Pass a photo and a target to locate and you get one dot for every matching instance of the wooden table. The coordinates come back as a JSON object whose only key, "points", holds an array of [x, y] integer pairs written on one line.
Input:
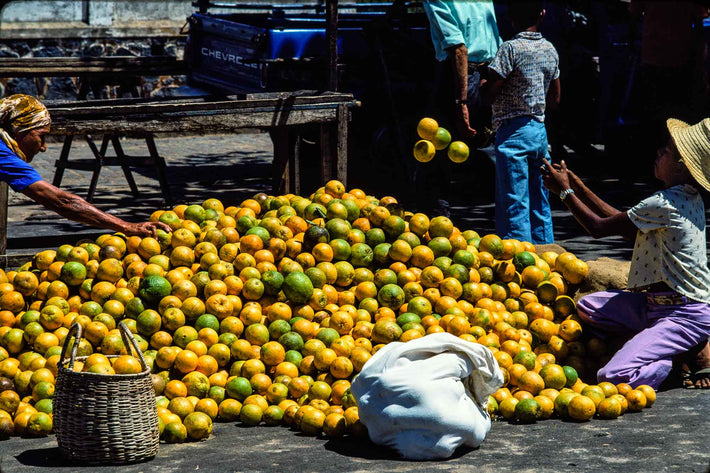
{"points": [[283, 114]]}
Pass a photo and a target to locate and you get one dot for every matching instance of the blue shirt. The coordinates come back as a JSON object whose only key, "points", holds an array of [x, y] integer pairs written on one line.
{"points": [[528, 63], [17, 173], [469, 22]]}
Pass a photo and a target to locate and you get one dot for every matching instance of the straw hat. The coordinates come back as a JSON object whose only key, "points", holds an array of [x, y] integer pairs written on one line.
{"points": [[693, 143]]}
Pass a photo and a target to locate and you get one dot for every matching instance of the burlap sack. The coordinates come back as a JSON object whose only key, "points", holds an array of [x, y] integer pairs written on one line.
{"points": [[604, 273]]}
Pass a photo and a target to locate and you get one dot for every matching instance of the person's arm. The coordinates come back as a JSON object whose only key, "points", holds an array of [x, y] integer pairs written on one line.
{"points": [[590, 199], [75, 208], [554, 94], [459, 56], [598, 225], [491, 87]]}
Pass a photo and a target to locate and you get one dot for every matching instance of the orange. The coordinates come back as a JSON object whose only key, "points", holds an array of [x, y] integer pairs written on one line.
{"points": [[12, 301], [649, 392], [562, 402], [532, 276], [335, 188], [342, 367], [507, 407], [424, 151], [26, 282], [575, 271], [570, 330], [609, 408], [186, 361], [531, 382], [594, 392], [272, 353], [637, 400], [622, 402], [542, 328], [492, 244], [581, 408], [609, 388], [127, 364], [334, 425], [458, 151], [562, 260], [427, 128], [442, 138], [554, 376]]}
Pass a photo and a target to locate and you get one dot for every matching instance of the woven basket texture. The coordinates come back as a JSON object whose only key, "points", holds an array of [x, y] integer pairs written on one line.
{"points": [[101, 418]]}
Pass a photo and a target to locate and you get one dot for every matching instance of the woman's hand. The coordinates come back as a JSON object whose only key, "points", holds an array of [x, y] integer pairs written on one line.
{"points": [[555, 178], [146, 229]]}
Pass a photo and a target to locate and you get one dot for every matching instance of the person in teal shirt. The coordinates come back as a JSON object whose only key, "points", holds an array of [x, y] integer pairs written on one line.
{"points": [[465, 33]]}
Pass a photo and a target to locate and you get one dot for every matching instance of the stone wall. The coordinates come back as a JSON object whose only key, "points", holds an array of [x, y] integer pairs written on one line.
{"points": [[66, 88]]}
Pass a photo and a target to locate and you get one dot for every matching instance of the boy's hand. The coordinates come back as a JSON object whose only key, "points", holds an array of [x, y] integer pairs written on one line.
{"points": [[556, 178]]}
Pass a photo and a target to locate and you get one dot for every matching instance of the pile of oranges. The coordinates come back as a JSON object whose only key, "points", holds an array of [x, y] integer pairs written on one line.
{"points": [[262, 313]]}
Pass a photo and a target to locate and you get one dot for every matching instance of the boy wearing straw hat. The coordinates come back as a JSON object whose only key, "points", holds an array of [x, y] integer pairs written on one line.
{"points": [[667, 306]]}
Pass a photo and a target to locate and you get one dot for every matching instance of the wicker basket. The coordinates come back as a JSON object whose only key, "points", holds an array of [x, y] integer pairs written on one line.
{"points": [[101, 418]]}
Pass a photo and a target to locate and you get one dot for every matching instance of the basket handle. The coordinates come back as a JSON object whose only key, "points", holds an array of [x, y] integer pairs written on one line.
{"points": [[76, 327], [130, 342]]}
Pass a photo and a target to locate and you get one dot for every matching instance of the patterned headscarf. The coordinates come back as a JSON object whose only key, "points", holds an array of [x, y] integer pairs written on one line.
{"points": [[20, 113]]}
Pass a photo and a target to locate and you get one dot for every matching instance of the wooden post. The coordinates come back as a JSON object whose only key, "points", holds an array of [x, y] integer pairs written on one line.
{"points": [[331, 34], [342, 126]]}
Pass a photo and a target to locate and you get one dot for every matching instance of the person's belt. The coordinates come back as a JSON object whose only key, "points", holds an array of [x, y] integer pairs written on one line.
{"points": [[665, 298], [477, 67]]}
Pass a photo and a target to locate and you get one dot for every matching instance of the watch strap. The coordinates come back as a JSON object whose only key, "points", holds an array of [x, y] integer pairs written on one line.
{"points": [[565, 193]]}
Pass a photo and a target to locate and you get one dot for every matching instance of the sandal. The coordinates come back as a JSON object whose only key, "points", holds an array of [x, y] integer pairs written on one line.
{"points": [[691, 378]]}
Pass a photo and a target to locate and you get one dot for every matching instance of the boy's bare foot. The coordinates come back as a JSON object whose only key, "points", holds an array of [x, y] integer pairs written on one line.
{"points": [[698, 374]]}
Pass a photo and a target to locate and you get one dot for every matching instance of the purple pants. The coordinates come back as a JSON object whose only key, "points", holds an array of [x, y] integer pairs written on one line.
{"points": [[658, 332]]}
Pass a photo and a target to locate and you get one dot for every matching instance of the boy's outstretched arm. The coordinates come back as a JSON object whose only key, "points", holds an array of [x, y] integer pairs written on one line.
{"points": [[590, 199], [598, 226]]}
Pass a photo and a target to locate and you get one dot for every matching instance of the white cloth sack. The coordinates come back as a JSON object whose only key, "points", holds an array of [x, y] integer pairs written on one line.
{"points": [[427, 397]]}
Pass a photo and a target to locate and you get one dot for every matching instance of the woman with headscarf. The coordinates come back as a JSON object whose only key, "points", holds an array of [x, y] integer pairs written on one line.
{"points": [[24, 122]]}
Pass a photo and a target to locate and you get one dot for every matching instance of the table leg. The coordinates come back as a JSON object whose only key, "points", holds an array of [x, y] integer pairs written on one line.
{"points": [[97, 167], [123, 159], [62, 161], [281, 170], [326, 153], [159, 168], [341, 154]]}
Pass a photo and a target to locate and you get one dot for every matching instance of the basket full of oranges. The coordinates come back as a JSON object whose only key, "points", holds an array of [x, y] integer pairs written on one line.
{"points": [[104, 406]]}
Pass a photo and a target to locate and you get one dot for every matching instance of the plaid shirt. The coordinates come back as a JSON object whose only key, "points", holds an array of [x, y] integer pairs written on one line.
{"points": [[528, 63]]}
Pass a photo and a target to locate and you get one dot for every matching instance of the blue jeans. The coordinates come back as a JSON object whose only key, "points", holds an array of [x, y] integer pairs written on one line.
{"points": [[522, 205]]}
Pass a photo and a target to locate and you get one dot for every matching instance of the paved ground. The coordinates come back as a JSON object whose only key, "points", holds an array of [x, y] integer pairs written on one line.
{"points": [[670, 437]]}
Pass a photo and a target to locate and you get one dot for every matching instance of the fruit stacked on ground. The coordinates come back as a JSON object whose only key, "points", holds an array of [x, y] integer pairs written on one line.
{"points": [[264, 312]]}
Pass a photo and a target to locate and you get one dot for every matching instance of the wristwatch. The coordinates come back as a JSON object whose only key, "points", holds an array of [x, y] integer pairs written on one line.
{"points": [[461, 101], [565, 193]]}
